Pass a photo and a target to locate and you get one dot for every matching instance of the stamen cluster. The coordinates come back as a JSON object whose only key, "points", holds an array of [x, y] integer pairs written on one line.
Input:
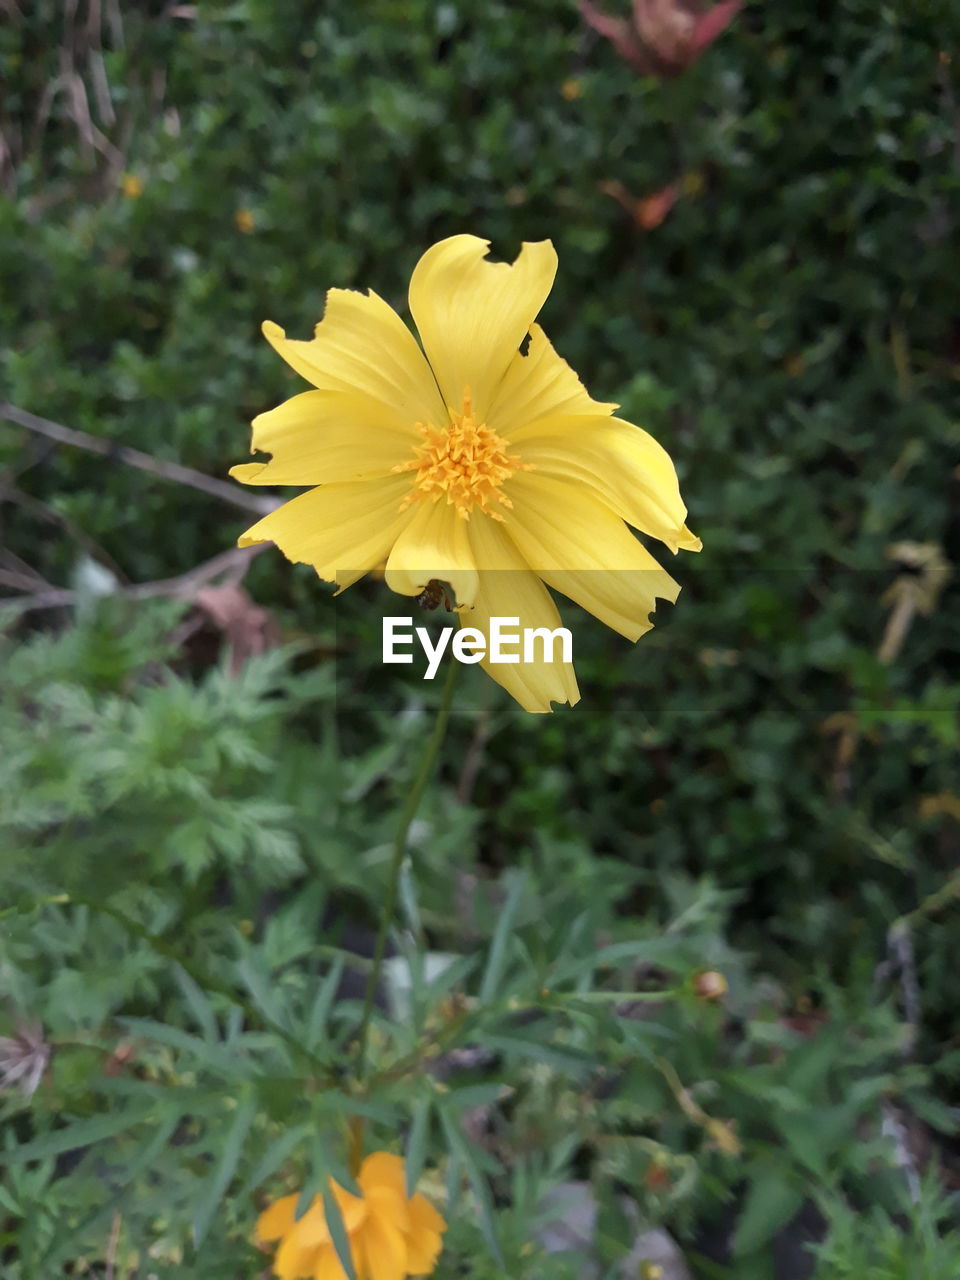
{"points": [[465, 462]]}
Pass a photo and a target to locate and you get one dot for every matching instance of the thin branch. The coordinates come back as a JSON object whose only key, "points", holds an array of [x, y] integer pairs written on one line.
{"points": [[115, 23], [900, 949], [893, 1127], [232, 563], [101, 87], [112, 1244], [473, 758], [8, 165], [143, 461], [900, 961], [12, 561], [21, 581], [8, 493]]}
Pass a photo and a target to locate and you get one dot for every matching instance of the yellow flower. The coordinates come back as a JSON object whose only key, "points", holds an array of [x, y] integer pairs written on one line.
{"points": [[131, 186], [391, 1236], [480, 460]]}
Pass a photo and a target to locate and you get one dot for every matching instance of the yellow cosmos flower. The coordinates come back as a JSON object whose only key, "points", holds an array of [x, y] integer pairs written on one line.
{"points": [[479, 460], [391, 1236]]}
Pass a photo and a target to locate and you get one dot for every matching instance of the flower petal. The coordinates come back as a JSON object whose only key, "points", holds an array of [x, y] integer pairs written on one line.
{"points": [[620, 31], [311, 1230], [423, 1241], [539, 385], [277, 1219], [353, 1209], [362, 345], [711, 24], [296, 1258], [390, 1205], [582, 548], [433, 544], [381, 1168], [424, 1216], [306, 1241], [324, 437], [343, 530], [328, 1265], [509, 590], [623, 465], [385, 1250], [423, 1249], [473, 314]]}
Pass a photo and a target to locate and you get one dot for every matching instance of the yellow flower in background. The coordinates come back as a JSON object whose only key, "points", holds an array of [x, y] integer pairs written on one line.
{"points": [[391, 1235], [479, 460]]}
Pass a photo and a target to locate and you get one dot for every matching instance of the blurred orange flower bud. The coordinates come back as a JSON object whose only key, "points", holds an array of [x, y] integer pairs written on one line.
{"points": [[710, 985], [664, 37], [657, 1177], [647, 211]]}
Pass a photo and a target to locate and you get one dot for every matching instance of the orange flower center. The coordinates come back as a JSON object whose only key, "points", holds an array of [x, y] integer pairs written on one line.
{"points": [[464, 462]]}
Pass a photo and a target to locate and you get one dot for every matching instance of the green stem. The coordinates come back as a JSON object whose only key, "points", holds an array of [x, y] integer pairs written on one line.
{"points": [[407, 814]]}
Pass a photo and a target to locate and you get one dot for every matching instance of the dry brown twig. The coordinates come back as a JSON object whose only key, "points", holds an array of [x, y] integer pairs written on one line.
{"points": [[112, 1246], [232, 565], [924, 573], [103, 125], [9, 493], [142, 461], [14, 566], [21, 581], [474, 758], [247, 628]]}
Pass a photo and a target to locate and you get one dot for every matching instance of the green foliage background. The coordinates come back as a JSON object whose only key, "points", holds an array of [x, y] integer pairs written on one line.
{"points": [[789, 333]]}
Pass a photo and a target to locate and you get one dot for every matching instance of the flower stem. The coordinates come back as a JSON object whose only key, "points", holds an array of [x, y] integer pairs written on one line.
{"points": [[407, 814]]}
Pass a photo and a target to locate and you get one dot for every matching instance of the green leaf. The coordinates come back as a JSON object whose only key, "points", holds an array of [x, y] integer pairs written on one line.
{"points": [[66, 1242], [7, 1202], [217, 1057], [476, 1095], [273, 1158], [229, 1158], [83, 1133], [323, 1167], [565, 1059], [408, 900], [453, 1185], [263, 992], [771, 1201], [417, 1143], [198, 1003], [320, 1011], [338, 1232], [467, 1156], [618, 953], [450, 975], [496, 959]]}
